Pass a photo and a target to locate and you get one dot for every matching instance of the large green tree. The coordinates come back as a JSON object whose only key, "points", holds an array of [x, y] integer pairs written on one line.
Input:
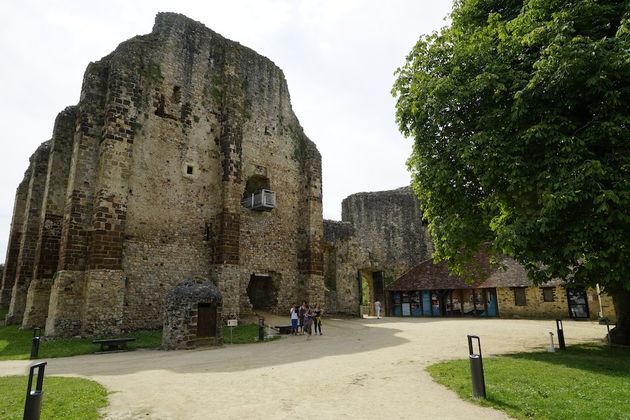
{"points": [[520, 115]]}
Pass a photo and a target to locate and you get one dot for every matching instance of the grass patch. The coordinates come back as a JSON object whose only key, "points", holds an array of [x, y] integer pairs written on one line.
{"points": [[585, 382], [15, 344], [64, 398], [243, 334]]}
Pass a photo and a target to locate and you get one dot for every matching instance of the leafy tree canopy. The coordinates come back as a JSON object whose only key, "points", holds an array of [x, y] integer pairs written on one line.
{"points": [[520, 112]]}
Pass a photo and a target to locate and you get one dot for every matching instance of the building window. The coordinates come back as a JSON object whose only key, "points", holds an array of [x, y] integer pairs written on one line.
{"points": [[189, 170], [519, 296], [548, 294]]}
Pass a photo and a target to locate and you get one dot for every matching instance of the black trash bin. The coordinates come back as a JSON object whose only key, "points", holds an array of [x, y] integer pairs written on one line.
{"points": [[560, 334], [261, 329], [476, 369], [35, 343], [33, 404]]}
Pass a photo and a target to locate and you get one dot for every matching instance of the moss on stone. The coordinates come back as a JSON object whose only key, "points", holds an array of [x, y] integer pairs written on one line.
{"points": [[152, 72], [300, 144], [217, 90]]}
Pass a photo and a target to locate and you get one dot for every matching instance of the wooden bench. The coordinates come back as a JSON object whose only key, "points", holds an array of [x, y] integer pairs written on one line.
{"points": [[282, 329], [113, 344]]}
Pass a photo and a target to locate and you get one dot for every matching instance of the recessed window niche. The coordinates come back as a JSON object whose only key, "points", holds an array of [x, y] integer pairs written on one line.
{"points": [[190, 170]]}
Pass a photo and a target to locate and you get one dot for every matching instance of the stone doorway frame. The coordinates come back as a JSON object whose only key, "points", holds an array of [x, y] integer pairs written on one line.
{"points": [[270, 292], [375, 283]]}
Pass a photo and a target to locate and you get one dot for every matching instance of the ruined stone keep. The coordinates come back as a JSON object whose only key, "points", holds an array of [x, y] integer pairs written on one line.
{"points": [[183, 158], [380, 237]]}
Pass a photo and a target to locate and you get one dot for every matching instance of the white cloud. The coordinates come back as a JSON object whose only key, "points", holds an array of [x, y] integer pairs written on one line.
{"points": [[338, 56]]}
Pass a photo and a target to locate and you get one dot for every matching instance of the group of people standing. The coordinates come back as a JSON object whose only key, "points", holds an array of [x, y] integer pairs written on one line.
{"points": [[304, 317]]}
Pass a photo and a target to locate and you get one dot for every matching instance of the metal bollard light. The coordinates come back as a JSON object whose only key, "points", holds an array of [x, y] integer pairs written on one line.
{"points": [[551, 348], [476, 369], [35, 343], [261, 329], [560, 329], [33, 404]]}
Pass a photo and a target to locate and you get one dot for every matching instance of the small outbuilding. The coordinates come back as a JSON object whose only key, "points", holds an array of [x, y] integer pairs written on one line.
{"points": [[192, 315]]}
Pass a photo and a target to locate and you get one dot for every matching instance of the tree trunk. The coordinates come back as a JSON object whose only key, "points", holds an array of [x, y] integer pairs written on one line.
{"points": [[621, 333]]}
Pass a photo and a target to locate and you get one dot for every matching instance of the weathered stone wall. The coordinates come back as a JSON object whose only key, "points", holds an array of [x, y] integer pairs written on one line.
{"points": [[343, 257], [389, 228], [607, 307], [381, 231], [30, 232], [155, 159], [49, 236], [536, 307], [15, 238]]}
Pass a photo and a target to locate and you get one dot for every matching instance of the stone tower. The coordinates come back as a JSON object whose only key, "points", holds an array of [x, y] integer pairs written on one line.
{"points": [[166, 169]]}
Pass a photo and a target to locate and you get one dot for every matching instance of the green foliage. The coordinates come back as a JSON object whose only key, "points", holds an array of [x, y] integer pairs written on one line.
{"points": [[520, 116], [300, 146], [63, 398], [15, 344], [585, 382], [217, 90], [365, 290]]}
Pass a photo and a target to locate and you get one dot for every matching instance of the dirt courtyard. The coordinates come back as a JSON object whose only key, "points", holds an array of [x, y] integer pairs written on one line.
{"points": [[359, 369]]}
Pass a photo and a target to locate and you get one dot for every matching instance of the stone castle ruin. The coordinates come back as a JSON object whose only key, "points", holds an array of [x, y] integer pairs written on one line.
{"points": [[184, 160]]}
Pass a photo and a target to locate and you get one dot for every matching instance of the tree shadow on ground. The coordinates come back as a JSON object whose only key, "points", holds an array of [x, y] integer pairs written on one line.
{"points": [[591, 357], [341, 337]]}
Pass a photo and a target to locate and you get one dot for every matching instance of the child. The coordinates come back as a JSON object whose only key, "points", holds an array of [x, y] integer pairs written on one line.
{"points": [[294, 319]]}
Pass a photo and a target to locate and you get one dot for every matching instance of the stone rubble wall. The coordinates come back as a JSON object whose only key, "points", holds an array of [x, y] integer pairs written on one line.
{"points": [[389, 229], [536, 307], [380, 231]]}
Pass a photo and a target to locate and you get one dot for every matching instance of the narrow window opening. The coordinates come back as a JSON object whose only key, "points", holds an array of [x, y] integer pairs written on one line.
{"points": [[548, 294], [519, 297], [189, 170]]}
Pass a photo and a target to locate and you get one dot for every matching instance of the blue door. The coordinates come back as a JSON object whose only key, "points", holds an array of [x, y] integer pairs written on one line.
{"points": [[492, 302], [426, 303]]}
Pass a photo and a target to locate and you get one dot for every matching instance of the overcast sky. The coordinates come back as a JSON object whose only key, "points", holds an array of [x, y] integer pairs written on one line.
{"points": [[338, 57]]}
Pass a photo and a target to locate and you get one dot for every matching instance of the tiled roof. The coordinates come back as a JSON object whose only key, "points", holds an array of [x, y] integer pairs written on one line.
{"points": [[430, 276]]}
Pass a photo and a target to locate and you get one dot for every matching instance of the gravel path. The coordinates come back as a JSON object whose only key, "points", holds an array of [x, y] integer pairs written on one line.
{"points": [[359, 369]]}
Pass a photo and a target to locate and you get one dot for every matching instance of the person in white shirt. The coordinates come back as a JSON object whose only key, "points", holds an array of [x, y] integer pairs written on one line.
{"points": [[377, 308]]}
